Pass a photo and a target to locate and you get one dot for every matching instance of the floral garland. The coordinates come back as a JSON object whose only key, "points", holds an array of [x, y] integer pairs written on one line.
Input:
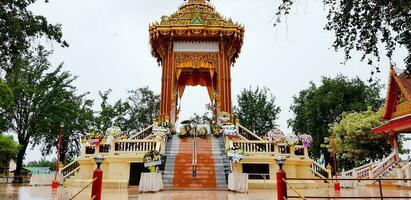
{"points": [[235, 154], [152, 159]]}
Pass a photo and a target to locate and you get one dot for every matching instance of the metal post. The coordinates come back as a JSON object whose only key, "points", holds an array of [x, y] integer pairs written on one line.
{"points": [[55, 182], [281, 185], [281, 176], [379, 184], [97, 184]]}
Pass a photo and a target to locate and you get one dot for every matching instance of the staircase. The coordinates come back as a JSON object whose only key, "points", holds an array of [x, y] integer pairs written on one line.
{"points": [[172, 148], [211, 163]]}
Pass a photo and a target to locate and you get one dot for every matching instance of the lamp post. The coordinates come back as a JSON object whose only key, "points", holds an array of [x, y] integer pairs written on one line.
{"points": [[98, 175], [55, 182], [281, 186]]}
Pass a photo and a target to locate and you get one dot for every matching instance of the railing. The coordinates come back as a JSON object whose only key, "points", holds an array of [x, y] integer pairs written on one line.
{"points": [[83, 188], [351, 173], [44, 179], [320, 171], [405, 172], [372, 169], [384, 166], [194, 157], [144, 133], [247, 133], [127, 146], [326, 195], [271, 148], [255, 146], [70, 169]]}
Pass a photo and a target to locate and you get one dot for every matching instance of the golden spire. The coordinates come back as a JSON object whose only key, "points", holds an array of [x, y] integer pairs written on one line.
{"points": [[196, 1]]}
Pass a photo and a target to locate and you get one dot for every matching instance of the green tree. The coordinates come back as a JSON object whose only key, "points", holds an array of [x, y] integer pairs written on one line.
{"points": [[8, 150], [43, 163], [6, 100], [354, 142], [316, 107], [19, 28], [144, 107], [77, 117], [256, 110], [110, 115], [365, 26], [36, 88]]}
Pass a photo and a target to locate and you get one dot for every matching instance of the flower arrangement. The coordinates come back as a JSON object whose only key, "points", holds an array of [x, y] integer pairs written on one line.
{"points": [[306, 139], [224, 118], [151, 160], [229, 130], [276, 135], [291, 139], [216, 130], [93, 137], [235, 154], [185, 131], [202, 132]]}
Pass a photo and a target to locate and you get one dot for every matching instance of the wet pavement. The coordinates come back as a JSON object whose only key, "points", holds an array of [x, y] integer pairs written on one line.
{"points": [[43, 193]]}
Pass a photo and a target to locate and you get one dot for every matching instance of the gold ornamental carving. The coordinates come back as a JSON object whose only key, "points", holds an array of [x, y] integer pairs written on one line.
{"points": [[201, 60]]}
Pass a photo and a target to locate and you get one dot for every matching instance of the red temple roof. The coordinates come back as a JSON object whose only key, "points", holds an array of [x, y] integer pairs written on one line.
{"points": [[397, 112]]}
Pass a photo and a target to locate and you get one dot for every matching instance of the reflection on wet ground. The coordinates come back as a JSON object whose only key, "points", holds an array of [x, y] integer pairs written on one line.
{"points": [[42, 193]]}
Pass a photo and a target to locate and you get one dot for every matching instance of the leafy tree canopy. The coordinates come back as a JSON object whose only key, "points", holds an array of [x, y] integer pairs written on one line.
{"points": [[366, 26], [38, 90], [19, 27], [135, 113], [8, 149], [144, 107], [355, 144], [6, 100], [256, 110], [316, 107]]}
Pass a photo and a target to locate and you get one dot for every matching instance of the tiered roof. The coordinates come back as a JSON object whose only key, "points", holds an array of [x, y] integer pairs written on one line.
{"points": [[397, 111], [195, 20]]}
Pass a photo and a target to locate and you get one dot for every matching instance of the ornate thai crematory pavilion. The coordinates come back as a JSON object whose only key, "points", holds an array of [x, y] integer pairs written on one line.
{"points": [[195, 46]]}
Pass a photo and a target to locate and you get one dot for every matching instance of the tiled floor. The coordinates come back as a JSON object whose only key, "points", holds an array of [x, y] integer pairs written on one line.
{"points": [[43, 193]]}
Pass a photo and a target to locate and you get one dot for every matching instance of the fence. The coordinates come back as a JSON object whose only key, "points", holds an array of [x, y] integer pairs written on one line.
{"points": [[44, 179], [14, 179], [375, 180]]}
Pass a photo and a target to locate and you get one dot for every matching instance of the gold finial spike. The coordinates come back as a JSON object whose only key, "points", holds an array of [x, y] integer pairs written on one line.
{"points": [[196, 1]]}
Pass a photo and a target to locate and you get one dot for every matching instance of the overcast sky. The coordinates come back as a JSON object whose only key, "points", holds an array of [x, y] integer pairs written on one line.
{"points": [[109, 49]]}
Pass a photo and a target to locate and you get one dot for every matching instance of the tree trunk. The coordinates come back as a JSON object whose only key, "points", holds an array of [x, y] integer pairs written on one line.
{"points": [[19, 163]]}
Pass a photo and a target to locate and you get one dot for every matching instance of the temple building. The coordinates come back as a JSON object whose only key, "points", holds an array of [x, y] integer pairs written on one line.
{"points": [[195, 46], [397, 110]]}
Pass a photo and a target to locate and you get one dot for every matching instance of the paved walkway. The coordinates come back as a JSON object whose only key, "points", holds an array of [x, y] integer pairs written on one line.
{"points": [[43, 193]]}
